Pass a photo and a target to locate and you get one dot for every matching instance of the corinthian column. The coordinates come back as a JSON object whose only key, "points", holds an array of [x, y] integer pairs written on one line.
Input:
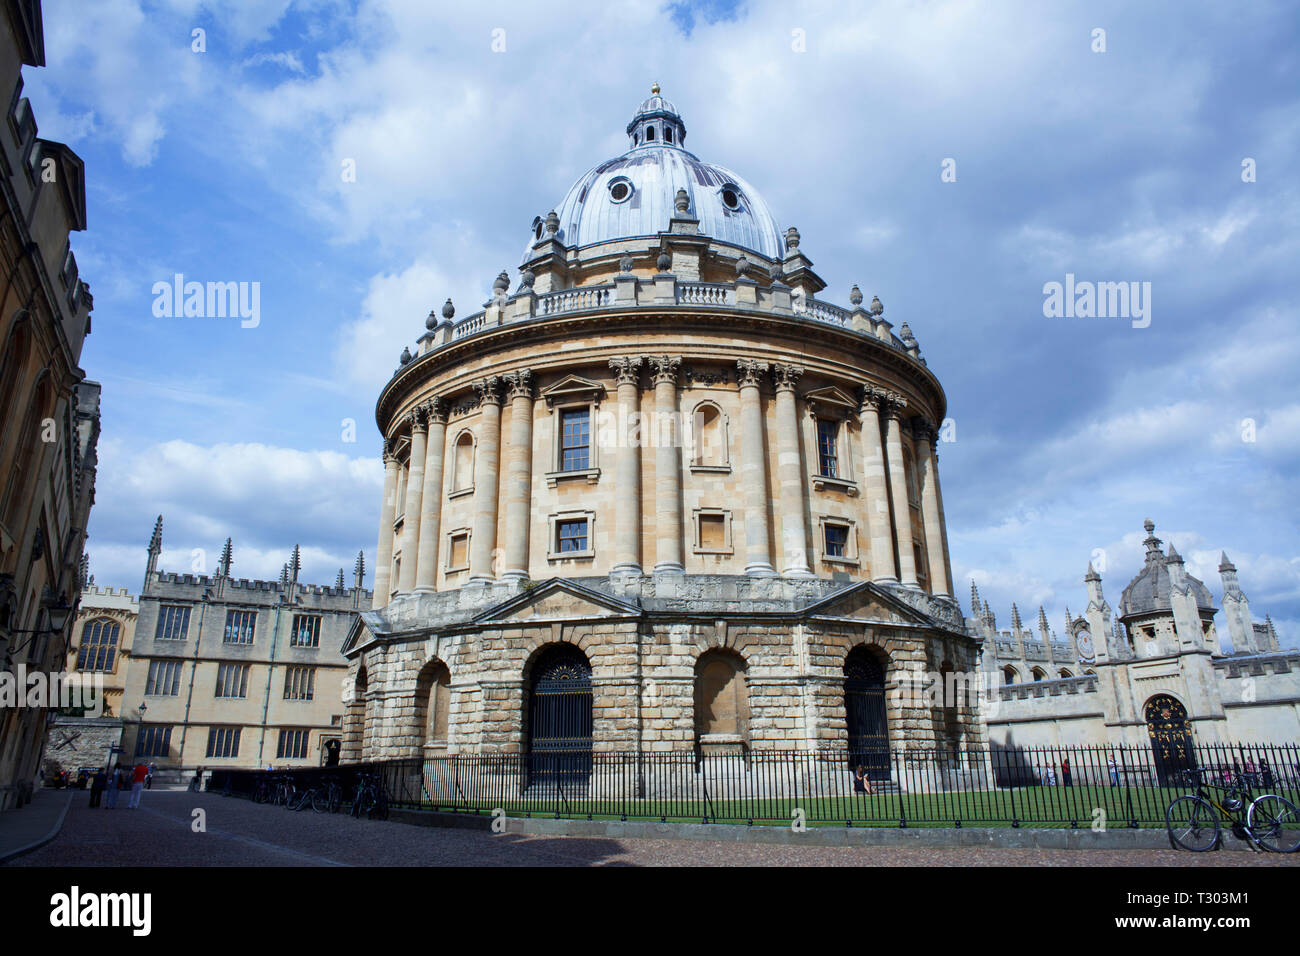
{"points": [[927, 470], [898, 490], [877, 494], [519, 481], [753, 469], [789, 472], [426, 573], [483, 541], [387, 515], [669, 545], [414, 492], [627, 468]]}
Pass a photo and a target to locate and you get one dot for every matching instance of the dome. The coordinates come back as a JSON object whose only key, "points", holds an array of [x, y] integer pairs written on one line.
{"points": [[633, 195], [1151, 588]]}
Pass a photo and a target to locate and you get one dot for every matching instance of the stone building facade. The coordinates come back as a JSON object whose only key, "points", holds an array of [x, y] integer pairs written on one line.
{"points": [[662, 469], [102, 637], [232, 672], [1155, 671], [49, 412]]}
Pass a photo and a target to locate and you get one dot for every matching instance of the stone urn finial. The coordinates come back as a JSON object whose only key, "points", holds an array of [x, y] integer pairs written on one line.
{"points": [[682, 201], [855, 295], [502, 283], [448, 310], [876, 307], [625, 264], [552, 223], [527, 279], [742, 267], [664, 262], [792, 239], [405, 356], [778, 274], [431, 322]]}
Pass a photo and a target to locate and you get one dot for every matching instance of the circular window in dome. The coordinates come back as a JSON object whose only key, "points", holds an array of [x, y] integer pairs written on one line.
{"points": [[620, 189], [730, 197]]}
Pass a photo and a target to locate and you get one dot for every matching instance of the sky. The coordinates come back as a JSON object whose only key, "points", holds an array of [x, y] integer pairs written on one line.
{"points": [[952, 158]]}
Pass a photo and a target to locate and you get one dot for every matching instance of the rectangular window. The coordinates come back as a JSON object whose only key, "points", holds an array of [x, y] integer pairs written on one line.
{"points": [[153, 740], [299, 683], [164, 679], [459, 556], [572, 535], [713, 532], [306, 631], [293, 744], [232, 680], [827, 459], [239, 627], [223, 741], [575, 439], [173, 623], [837, 541]]}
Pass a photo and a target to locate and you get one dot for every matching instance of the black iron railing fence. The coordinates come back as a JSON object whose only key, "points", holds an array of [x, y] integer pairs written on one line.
{"points": [[1083, 787]]}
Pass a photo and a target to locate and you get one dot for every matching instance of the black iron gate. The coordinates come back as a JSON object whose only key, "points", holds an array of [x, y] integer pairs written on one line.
{"points": [[864, 711], [559, 717], [1171, 739]]}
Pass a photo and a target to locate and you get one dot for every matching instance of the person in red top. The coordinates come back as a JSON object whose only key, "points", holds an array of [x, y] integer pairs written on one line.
{"points": [[137, 785]]}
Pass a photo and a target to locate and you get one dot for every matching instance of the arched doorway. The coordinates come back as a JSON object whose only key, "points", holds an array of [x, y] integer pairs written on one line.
{"points": [[864, 712], [1171, 738], [559, 714]]}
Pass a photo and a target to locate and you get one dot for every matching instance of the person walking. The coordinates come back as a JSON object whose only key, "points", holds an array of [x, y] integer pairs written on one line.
{"points": [[138, 776], [114, 784], [148, 780], [196, 785], [1065, 772], [1114, 771], [1265, 773], [97, 783]]}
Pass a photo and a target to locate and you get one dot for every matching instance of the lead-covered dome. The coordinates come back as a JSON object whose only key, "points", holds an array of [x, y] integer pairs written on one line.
{"points": [[1151, 588], [634, 194]]}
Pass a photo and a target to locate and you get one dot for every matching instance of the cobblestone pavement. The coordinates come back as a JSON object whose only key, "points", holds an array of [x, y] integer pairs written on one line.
{"points": [[241, 833]]}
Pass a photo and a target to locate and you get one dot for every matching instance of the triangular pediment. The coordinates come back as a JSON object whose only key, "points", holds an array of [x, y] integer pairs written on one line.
{"points": [[866, 602], [833, 399], [359, 634], [557, 599], [573, 388]]}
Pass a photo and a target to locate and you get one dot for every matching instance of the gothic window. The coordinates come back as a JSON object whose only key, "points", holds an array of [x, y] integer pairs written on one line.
{"points": [[292, 744], [232, 680], [223, 742], [164, 679], [299, 683], [1009, 676], [153, 740], [173, 623], [306, 631], [98, 650], [239, 627], [1039, 674]]}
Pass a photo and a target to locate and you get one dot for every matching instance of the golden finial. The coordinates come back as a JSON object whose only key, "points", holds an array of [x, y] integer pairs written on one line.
{"points": [[655, 89]]}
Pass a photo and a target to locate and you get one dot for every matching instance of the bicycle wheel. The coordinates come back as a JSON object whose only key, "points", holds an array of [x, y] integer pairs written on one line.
{"points": [[320, 801], [1193, 824], [1275, 823], [335, 800]]}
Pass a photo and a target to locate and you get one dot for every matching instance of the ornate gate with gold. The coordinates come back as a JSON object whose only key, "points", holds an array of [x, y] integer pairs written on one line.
{"points": [[1171, 738]]}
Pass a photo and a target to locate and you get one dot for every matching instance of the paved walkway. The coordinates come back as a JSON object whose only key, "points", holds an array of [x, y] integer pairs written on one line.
{"points": [[36, 821], [241, 833]]}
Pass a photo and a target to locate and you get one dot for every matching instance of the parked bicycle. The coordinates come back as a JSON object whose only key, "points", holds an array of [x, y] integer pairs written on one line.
{"points": [[1269, 820], [327, 797], [371, 798]]}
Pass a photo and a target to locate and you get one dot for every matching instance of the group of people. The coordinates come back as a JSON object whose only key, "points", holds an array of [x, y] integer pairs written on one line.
{"points": [[1047, 774], [140, 777]]}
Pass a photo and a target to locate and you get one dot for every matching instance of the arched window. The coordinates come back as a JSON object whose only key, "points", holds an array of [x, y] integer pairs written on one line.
{"points": [[354, 720], [721, 698], [98, 650], [462, 474], [710, 436], [1039, 674], [1009, 675], [1065, 672], [433, 703]]}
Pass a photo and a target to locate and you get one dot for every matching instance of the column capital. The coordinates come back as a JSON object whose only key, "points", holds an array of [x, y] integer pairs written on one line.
{"points": [[435, 409], [417, 420], [488, 390], [519, 384], [386, 452], [923, 429], [664, 368], [749, 371], [893, 404], [786, 377], [627, 369]]}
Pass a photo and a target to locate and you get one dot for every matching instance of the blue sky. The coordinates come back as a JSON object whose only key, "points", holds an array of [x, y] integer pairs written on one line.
{"points": [[1122, 165]]}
